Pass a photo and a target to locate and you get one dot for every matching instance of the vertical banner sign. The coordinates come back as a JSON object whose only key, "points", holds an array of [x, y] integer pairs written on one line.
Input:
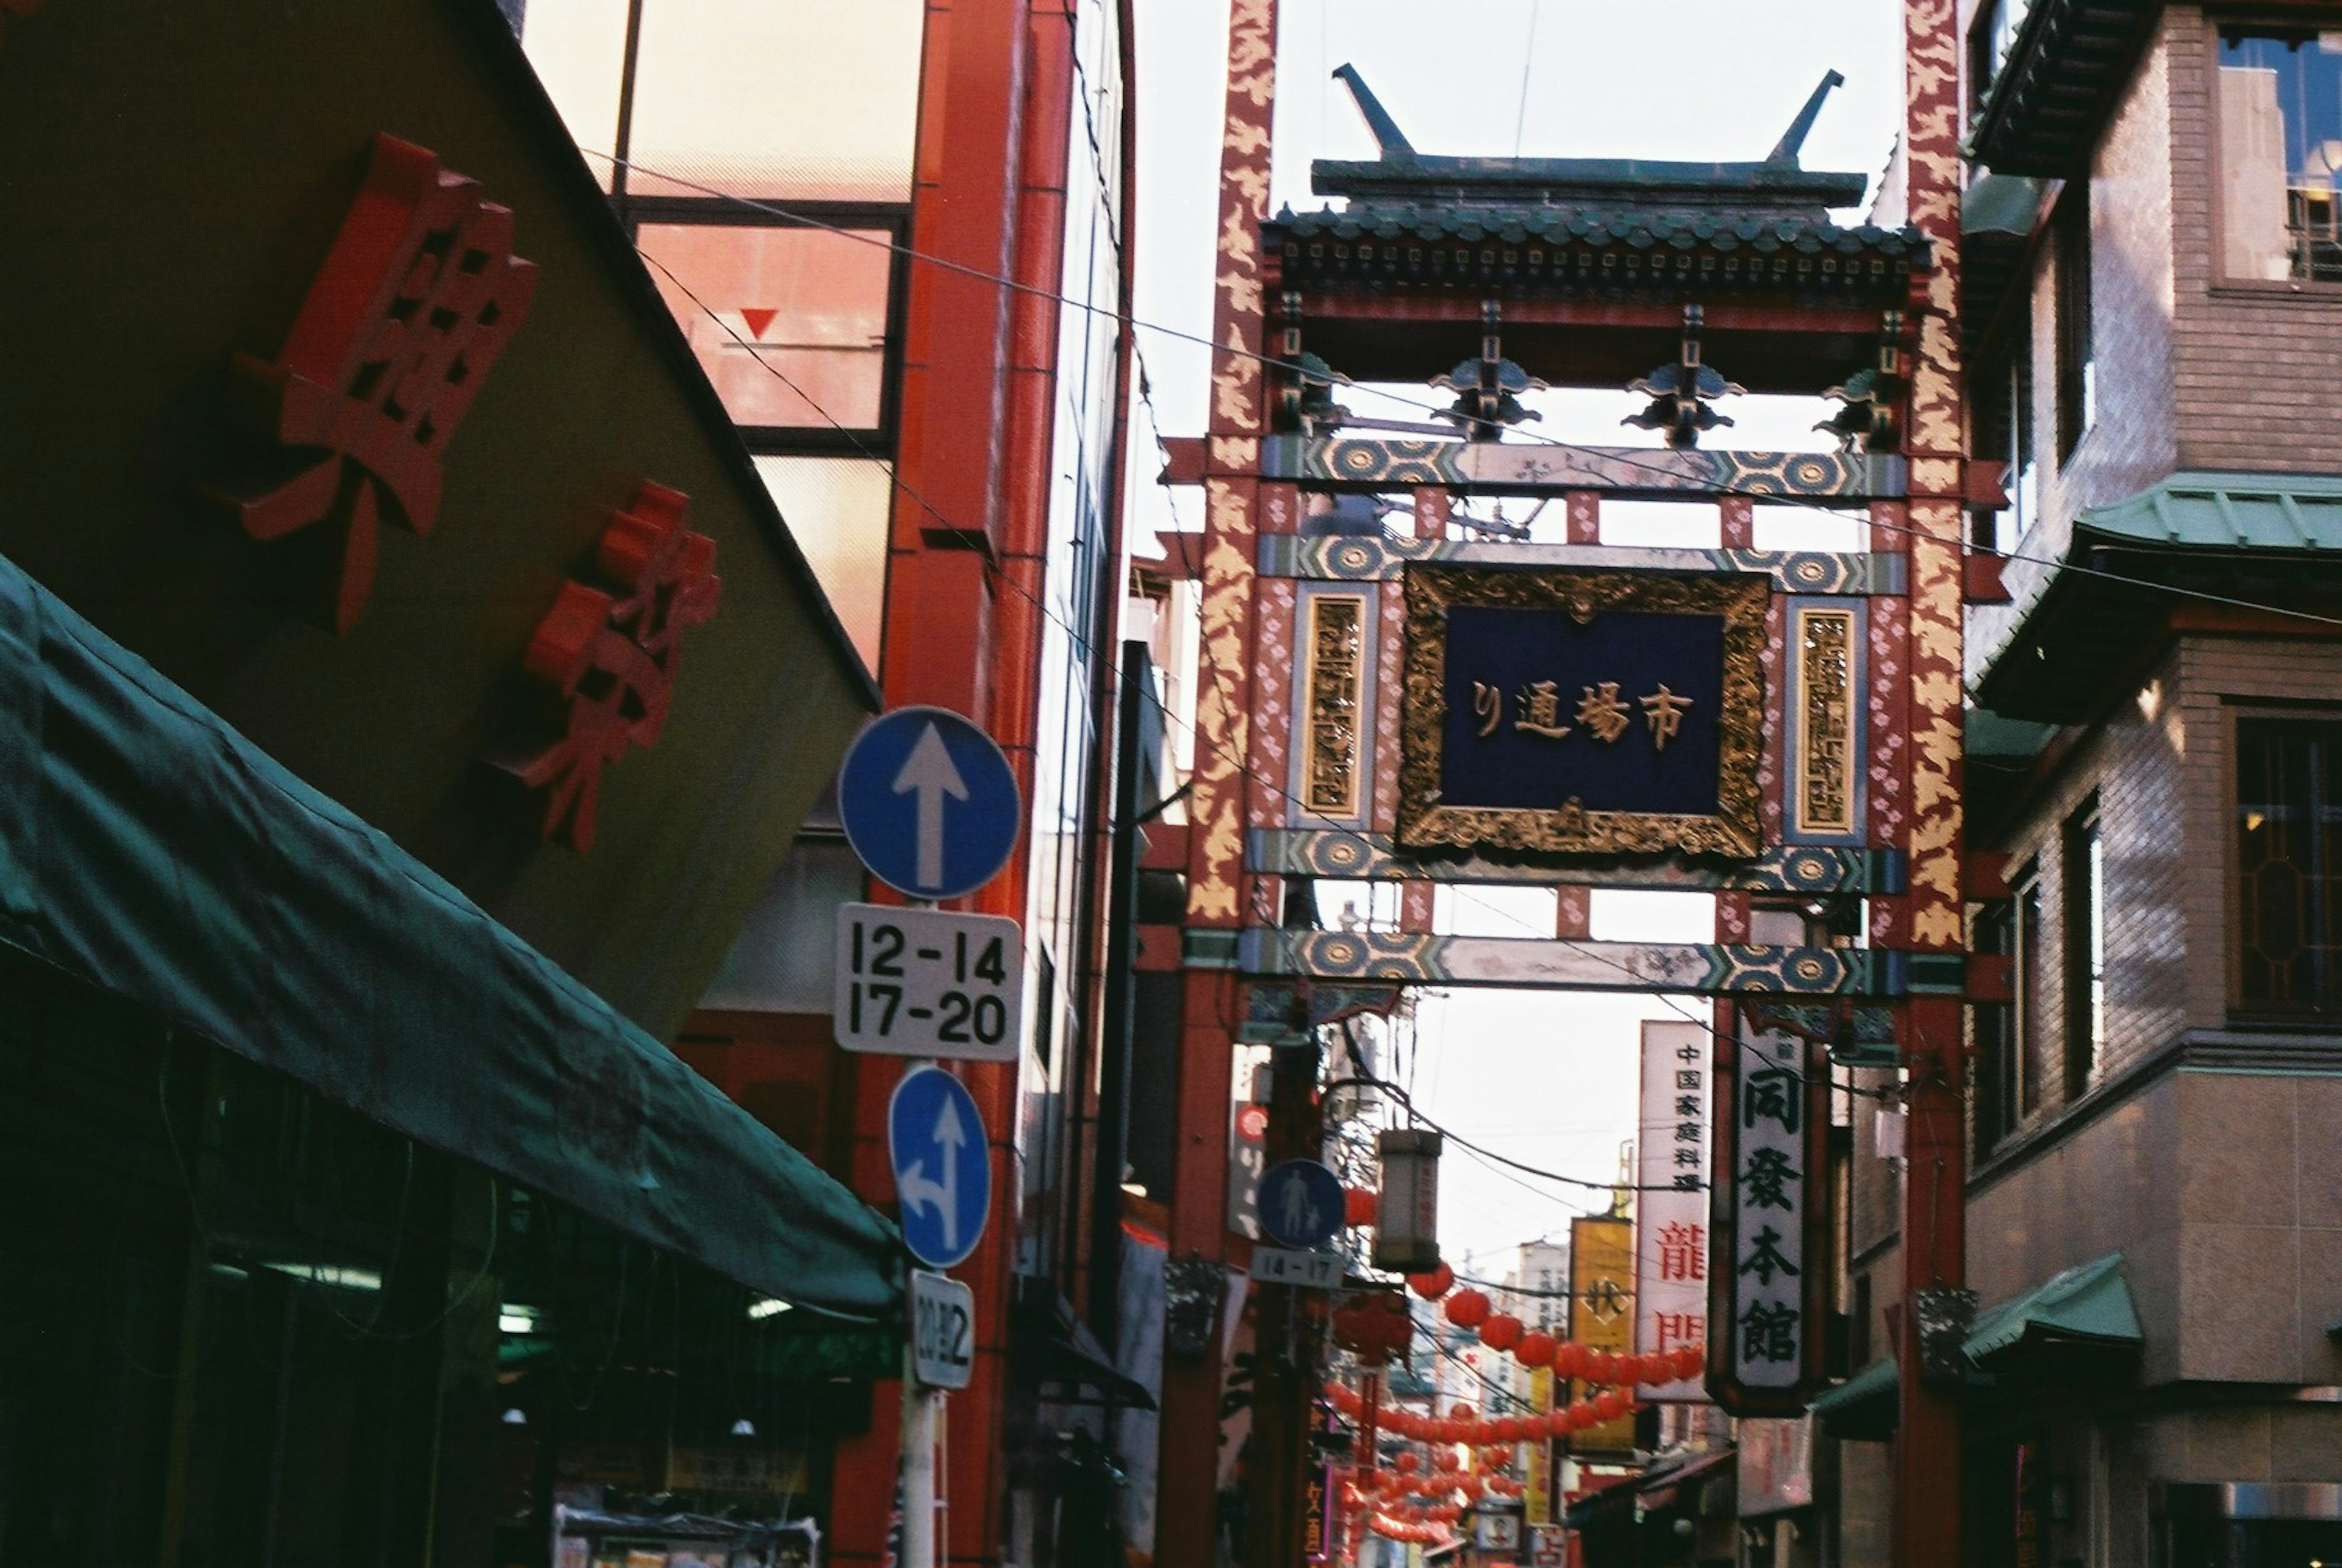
{"points": [[1768, 1267], [1537, 1493], [1671, 1210], [1317, 1516], [1545, 1273], [1602, 1312]]}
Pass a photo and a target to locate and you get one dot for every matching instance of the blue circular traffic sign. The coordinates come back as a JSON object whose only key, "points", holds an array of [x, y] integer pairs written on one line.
{"points": [[1299, 1203], [943, 1165], [928, 802]]}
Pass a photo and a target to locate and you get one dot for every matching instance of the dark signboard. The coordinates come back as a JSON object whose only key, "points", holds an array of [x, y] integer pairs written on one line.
{"points": [[1582, 712]]}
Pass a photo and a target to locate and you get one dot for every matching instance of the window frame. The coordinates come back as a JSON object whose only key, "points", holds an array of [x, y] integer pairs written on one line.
{"points": [[2074, 347], [2029, 1012], [1998, 1064], [2310, 290], [2319, 1017], [2082, 855], [2010, 371], [877, 440]]}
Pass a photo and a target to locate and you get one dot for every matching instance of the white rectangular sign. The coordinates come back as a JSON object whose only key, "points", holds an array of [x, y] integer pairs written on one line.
{"points": [[943, 1330], [921, 983], [1671, 1210], [1766, 1198], [1288, 1266]]}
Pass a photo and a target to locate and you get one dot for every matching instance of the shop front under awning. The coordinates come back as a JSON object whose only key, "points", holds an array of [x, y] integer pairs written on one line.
{"points": [[2076, 1326], [1675, 1482], [150, 850]]}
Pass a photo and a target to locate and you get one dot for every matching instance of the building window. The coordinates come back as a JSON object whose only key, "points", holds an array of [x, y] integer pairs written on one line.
{"points": [[2030, 1045], [2085, 949], [2076, 372], [761, 156], [2289, 868], [1994, 1023], [790, 324], [2004, 430], [1989, 37], [2280, 146]]}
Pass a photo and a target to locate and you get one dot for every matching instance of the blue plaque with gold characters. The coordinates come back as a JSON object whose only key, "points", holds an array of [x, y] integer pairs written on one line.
{"points": [[1554, 712]]}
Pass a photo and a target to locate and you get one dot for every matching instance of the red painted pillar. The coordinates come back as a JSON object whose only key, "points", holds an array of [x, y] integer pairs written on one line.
{"points": [[1219, 893], [1927, 1528], [951, 641]]}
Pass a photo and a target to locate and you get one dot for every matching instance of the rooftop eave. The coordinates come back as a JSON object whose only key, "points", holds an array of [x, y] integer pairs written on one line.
{"points": [[1782, 188], [2043, 111]]}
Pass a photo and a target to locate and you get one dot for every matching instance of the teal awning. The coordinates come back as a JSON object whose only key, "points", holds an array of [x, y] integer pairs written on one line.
{"points": [[2000, 207], [2087, 1305], [2268, 539], [150, 850], [1864, 1406], [2226, 510]]}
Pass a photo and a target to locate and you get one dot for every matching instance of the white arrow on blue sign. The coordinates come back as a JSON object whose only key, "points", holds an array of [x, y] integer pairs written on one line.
{"points": [[942, 1168], [928, 802]]}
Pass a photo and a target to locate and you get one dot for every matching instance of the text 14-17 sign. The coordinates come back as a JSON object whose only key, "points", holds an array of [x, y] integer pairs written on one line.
{"points": [[921, 983]]}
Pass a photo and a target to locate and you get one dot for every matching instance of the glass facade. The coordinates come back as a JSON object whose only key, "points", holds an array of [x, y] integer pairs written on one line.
{"points": [[2280, 141], [761, 157], [1081, 584]]}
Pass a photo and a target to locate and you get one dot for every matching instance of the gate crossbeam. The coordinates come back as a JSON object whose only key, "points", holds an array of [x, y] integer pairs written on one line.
{"points": [[1567, 964]]}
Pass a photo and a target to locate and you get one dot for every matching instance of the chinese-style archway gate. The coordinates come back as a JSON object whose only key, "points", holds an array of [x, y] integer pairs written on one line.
{"points": [[1445, 700]]}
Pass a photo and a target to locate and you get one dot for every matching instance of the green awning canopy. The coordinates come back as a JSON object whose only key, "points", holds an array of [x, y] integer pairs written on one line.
{"points": [[2271, 539], [1862, 1407], [2000, 207], [2088, 1305], [2226, 510], [150, 850]]}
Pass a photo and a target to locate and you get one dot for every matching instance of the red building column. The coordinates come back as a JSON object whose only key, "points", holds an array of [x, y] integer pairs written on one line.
{"points": [[1219, 891], [1926, 1523]]}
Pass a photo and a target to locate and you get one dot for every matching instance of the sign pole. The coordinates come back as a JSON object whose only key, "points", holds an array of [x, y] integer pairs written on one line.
{"points": [[921, 1415], [920, 1422]]}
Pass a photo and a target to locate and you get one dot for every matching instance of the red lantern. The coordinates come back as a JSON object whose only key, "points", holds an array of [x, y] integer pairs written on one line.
{"points": [[1690, 1361], [1581, 1414], [1433, 1286], [1501, 1331], [1358, 1206], [1460, 1412], [1537, 1349], [1466, 1309], [1609, 1404], [1406, 1463]]}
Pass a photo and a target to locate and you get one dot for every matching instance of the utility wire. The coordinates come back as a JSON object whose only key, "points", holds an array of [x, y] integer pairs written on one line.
{"points": [[1248, 774], [1524, 437]]}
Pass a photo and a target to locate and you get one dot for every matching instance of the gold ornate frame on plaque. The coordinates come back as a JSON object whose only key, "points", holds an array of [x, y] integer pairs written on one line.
{"points": [[1735, 829]]}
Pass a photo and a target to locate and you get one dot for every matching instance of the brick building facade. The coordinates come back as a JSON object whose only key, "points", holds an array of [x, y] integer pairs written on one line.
{"points": [[2154, 1236]]}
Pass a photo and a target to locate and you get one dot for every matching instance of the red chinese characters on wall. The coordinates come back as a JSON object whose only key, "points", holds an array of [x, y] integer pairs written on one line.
{"points": [[604, 658], [416, 300]]}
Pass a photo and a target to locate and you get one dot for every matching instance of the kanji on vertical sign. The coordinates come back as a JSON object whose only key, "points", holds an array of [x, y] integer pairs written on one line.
{"points": [[414, 304], [1671, 1211], [604, 662], [1767, 1267]]}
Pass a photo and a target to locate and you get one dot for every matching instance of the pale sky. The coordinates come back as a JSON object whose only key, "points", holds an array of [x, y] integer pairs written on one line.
{"points": [[1549, 1080]]}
